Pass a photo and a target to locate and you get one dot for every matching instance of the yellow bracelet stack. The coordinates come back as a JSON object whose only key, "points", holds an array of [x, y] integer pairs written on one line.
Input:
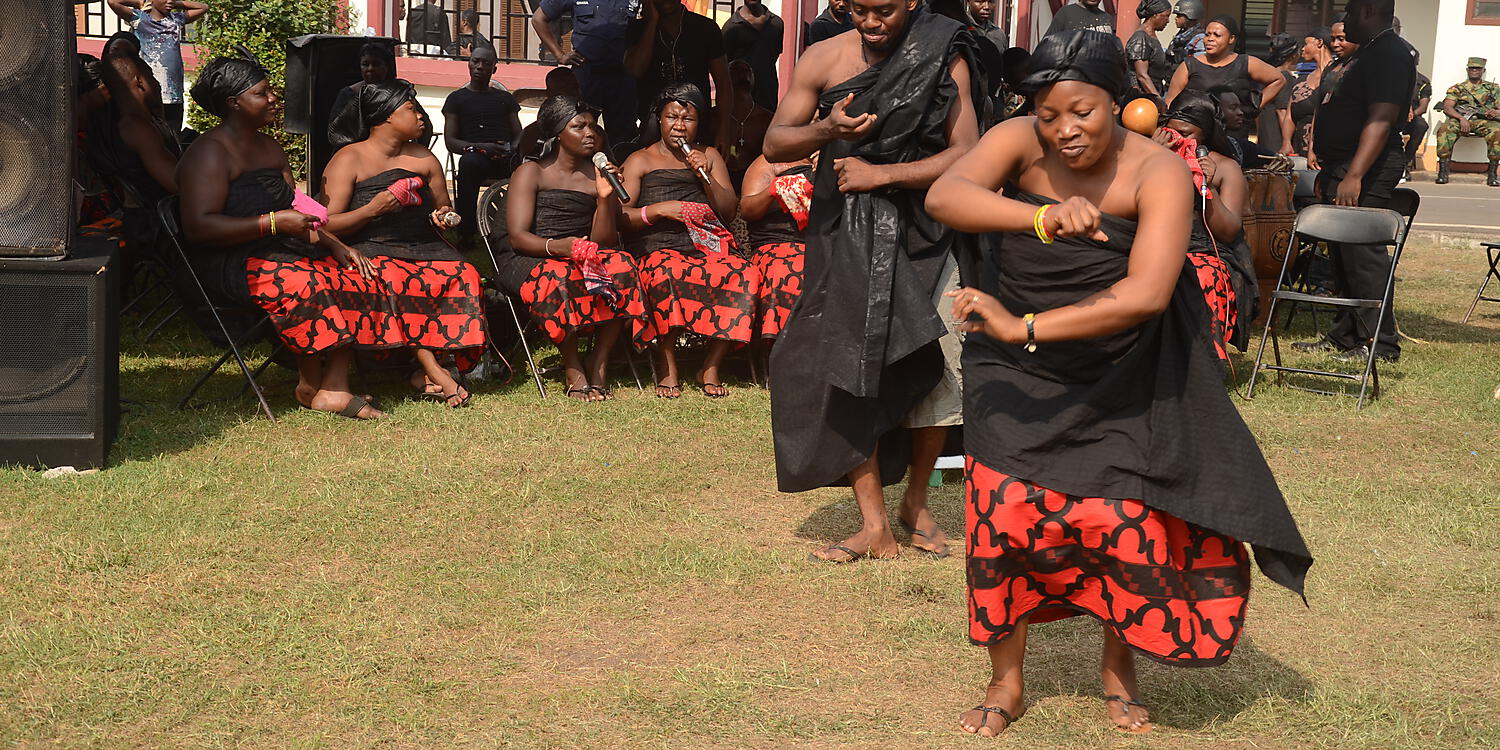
{"points": [[1039, 223]]}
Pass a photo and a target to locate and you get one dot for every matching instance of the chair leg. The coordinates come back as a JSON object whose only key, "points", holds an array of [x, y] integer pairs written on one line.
{"points": [[521, 332], [165, 320], [202, 379], [1265, 333], [1494, 272], [634, 373]]}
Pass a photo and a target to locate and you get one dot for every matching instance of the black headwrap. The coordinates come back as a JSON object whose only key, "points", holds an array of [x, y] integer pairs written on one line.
{"points": [[1324, 35], [1092, 57], [685, 94], [1149, 8], [373, 105], [86, 69], [554, 115], [1200, 109], [1228, 22], [1282, 46], [224, 78]]}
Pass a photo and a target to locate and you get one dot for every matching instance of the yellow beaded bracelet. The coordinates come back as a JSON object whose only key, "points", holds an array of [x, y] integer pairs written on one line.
{"points": [[1039, 223]]}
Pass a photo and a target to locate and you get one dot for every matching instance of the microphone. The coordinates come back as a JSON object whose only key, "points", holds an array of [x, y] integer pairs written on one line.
{"points": [[600, 162], [686, 149]]}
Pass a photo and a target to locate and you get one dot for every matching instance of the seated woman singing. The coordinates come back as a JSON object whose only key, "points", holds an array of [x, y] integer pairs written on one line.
{"points": [[249, 246], [676, 229], [775, 206], [1108, 473], [1219, 258], [560, 217], [386, 195]]}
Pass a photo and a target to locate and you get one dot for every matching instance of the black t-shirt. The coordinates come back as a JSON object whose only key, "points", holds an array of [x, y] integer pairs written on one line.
{"points": [[826, 26], [683, 57], [1382, 71], [483, 116], [759, 47], [1075, 17]]}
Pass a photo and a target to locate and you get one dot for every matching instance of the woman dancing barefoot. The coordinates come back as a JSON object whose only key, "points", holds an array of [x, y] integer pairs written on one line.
{"points": [[1108, 473]]}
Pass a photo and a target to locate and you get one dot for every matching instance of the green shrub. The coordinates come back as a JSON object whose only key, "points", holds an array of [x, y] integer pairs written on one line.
{"points": [[263, 26]]}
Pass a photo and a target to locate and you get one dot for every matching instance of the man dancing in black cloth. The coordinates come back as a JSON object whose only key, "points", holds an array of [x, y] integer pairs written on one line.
{"points": [[862, 355]]}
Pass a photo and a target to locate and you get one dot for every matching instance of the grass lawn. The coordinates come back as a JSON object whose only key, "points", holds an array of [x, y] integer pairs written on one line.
{"points": [[531, 573]]}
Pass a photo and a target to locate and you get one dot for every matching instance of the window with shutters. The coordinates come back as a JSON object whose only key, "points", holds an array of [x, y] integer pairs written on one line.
{"points": [[1483, 13]]}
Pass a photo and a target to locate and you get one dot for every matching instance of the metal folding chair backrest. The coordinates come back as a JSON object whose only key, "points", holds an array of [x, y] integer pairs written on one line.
{"points": [[492, 217], [1350, 225], [1406, 201]]}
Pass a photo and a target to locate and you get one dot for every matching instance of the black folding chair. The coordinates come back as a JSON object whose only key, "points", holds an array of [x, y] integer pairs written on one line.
{"points": [[1336, 225], [492, 222], [257, 324], [1492, 250]]}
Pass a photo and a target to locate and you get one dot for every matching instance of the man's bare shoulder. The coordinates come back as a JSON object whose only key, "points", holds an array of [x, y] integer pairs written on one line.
{"points": [[821, 60]]}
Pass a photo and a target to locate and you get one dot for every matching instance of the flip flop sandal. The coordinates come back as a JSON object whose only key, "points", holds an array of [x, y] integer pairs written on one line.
{"points": [[998, 711], [710, 394], [604, 392], [583, 391], [676, 391], [463, 399], [1140, 728], [853, 556], [912, 531], [352, 409]]}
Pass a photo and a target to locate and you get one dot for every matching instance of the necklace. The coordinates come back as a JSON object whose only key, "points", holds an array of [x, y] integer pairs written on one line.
{"points": [[739, 131], [673, 72]]}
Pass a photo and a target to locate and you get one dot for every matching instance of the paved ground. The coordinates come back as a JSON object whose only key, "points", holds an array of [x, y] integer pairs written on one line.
{"points": [[1465, 207]]}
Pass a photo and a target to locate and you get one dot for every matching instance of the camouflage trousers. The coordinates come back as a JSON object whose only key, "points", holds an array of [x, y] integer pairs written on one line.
{"points": [[1448, 134]]}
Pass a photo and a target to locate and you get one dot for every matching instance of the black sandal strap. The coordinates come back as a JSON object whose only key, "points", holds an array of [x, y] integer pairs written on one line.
{"points": [[996, 710], [1125, 701]]}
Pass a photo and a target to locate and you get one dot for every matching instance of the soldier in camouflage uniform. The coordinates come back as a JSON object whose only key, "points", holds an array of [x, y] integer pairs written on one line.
{"points": [[1189, 39], [1473, 108]]}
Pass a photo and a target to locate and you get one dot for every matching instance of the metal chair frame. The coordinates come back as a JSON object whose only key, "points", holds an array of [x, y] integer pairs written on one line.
{"points": [[1492, 250], [1321, 223], [166, 212]]}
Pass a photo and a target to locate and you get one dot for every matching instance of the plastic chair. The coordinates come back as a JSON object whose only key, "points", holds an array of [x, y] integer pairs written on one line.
{"points": [[1335, 225], [167, 212]]}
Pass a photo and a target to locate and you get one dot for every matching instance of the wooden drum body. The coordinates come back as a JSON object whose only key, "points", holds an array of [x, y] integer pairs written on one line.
{"points": [[1269, 216]]}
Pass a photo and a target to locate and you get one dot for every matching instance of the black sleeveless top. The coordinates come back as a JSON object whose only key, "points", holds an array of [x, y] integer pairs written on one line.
{"points": [[777, 225], [222, 269], [666, 185], [1235, 74], [408, 234], [558, 213]]}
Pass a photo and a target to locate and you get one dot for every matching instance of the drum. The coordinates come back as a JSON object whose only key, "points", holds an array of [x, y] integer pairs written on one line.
{"points": [[1269, 216]]}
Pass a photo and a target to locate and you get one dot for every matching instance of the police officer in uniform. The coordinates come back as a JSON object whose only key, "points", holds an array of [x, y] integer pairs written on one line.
{"points": [[1473, 108], [598, 56], [1189, 40]]}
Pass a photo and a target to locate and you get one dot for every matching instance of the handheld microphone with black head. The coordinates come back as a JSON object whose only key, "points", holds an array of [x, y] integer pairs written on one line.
{"points": [[686, 150], [601, 163]]}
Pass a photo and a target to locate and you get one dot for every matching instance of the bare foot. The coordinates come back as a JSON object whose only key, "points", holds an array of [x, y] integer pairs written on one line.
{"points": [[713, 387], [663, 390], [1117, 672], [876, 546], [335, 402], [998, 698], [305, 393], [925, 534], [423, 385]]}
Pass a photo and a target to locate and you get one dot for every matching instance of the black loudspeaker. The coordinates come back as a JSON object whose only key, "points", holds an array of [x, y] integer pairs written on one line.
{"points": [[36, 130], [318, 66], [59, 356]]}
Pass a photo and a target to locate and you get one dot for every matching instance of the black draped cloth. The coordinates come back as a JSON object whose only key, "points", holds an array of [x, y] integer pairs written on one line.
{"points": [[861, 347], [407, 234], [222, 269], [661, 185], [558, 213], [1141, 414]]}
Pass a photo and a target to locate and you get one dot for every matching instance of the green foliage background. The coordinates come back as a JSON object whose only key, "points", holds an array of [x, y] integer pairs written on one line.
{"points": [[263, 26]]}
